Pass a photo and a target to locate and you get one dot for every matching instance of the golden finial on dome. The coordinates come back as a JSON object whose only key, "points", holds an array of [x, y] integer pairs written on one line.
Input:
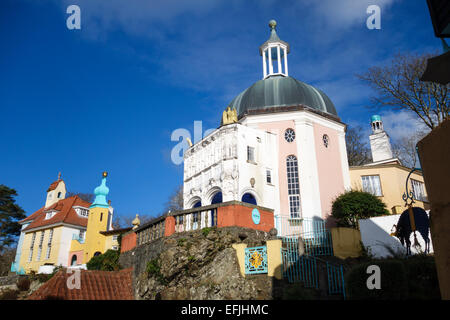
{"points": [[105, 174]]}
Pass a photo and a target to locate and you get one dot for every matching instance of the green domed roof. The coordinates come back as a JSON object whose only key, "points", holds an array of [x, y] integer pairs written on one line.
{"points": [[279, 91]]}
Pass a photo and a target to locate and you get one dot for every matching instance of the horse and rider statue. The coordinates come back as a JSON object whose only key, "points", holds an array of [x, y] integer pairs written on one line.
{"points": [[412, 220]]}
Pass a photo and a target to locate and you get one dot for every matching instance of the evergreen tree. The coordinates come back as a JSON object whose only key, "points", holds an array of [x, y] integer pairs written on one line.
{"points": [[10, 214]]}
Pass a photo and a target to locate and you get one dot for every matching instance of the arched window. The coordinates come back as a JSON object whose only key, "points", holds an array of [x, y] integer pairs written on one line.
{"points": [[97, 253], [249, 198], [217, 198], [197, 204], [293, 186], [73, 262]]}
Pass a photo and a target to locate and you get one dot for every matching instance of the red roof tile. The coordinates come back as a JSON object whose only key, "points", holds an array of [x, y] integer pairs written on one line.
{"points": [[54, 185], [94, 285], [65, 213]]}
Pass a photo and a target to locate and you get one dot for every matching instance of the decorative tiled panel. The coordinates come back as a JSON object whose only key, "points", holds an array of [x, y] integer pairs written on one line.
{"points": [[256, 260]]}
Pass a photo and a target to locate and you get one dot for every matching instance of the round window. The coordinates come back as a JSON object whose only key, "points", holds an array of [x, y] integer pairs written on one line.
{"points": [[326, 140], [289, 135]]}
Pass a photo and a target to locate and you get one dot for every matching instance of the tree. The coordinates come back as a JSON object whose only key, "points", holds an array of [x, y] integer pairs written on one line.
{"points": [[405, 149], [7, 256], [108, 261], [353, 205], [358, 153], [10, 214], [126, 221], [88, 197], [398, 87], [175, 202]]}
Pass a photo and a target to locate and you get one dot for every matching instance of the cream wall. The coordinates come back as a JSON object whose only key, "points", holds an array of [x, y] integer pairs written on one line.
{"points": [[62, 236], [392, 179]]}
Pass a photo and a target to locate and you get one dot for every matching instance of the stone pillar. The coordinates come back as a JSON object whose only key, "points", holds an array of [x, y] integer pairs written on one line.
{"points": [[434, 153], [274, 262], [240, 254], [169, 226]]}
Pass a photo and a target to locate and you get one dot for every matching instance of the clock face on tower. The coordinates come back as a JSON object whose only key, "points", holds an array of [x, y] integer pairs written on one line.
{"points": [[289, 135]]}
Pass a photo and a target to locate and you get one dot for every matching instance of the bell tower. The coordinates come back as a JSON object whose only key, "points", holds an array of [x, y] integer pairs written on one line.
{"points": [[380, 144], [273, 51], [56, 192]]}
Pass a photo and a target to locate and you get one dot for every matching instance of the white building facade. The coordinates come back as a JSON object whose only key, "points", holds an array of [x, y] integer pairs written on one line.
{"points": [[286, 151]]}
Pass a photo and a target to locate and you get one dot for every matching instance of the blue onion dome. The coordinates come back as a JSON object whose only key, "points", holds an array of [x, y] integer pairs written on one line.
{"points": [[278, 93], [100, 193]]}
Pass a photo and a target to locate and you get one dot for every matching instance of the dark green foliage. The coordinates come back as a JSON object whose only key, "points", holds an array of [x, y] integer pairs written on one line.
{"points": [[411, 278], [23, 284], [353, 205], [10, 213], [181, 241], [9, 295], [154, 270], [422, 278], [206, 231], [393, 282], [108, 261]]}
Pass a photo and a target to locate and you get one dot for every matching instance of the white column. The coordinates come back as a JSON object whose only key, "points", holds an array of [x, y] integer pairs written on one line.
{"points": [[344, 160], [279, 60], [285, 62], [308, 171], [270, 61], [264, 64]]}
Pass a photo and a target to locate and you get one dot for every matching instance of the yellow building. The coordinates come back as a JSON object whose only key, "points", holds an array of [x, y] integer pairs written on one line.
{"points": [[388, 182], [46, 234], [65, 232], [386, 176]]}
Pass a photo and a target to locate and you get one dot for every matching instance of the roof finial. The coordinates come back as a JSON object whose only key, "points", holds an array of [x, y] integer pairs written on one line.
{"points": [[59, 175], [272, 24]]}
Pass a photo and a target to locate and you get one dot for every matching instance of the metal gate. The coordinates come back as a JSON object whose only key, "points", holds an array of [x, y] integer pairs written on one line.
{"points": [[335, 275], [297, 268]]}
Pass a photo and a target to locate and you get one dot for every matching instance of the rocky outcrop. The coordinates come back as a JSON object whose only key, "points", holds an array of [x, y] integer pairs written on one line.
{"points": [[198, 265]]}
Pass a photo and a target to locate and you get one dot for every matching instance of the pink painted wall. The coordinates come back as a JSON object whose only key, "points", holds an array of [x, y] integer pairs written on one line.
{"points": [[285, 149], [79, 255], [331, 180]]}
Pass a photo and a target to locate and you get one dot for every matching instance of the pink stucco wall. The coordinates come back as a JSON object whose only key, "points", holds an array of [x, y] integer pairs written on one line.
{"points": [[329, 167]]}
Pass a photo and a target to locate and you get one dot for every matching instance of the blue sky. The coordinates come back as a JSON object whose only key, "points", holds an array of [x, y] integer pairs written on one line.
{"points": [[108, 96]]}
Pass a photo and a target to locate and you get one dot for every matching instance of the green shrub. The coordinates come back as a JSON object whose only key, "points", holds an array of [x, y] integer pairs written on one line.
{"points": [[108, 261], [422, 278], [353, 205], [181, 241], [394, 281], [9, 295], [206, 231], [154, 270], [153, 267], [23, 284], [414, 278]]}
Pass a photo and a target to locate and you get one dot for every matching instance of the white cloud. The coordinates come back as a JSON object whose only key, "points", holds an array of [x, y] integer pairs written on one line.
{"points": [[344, 13], [400, 124]]}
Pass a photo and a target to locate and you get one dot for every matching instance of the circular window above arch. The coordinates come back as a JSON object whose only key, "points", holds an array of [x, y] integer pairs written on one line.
{"points": [[289, 135]]}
